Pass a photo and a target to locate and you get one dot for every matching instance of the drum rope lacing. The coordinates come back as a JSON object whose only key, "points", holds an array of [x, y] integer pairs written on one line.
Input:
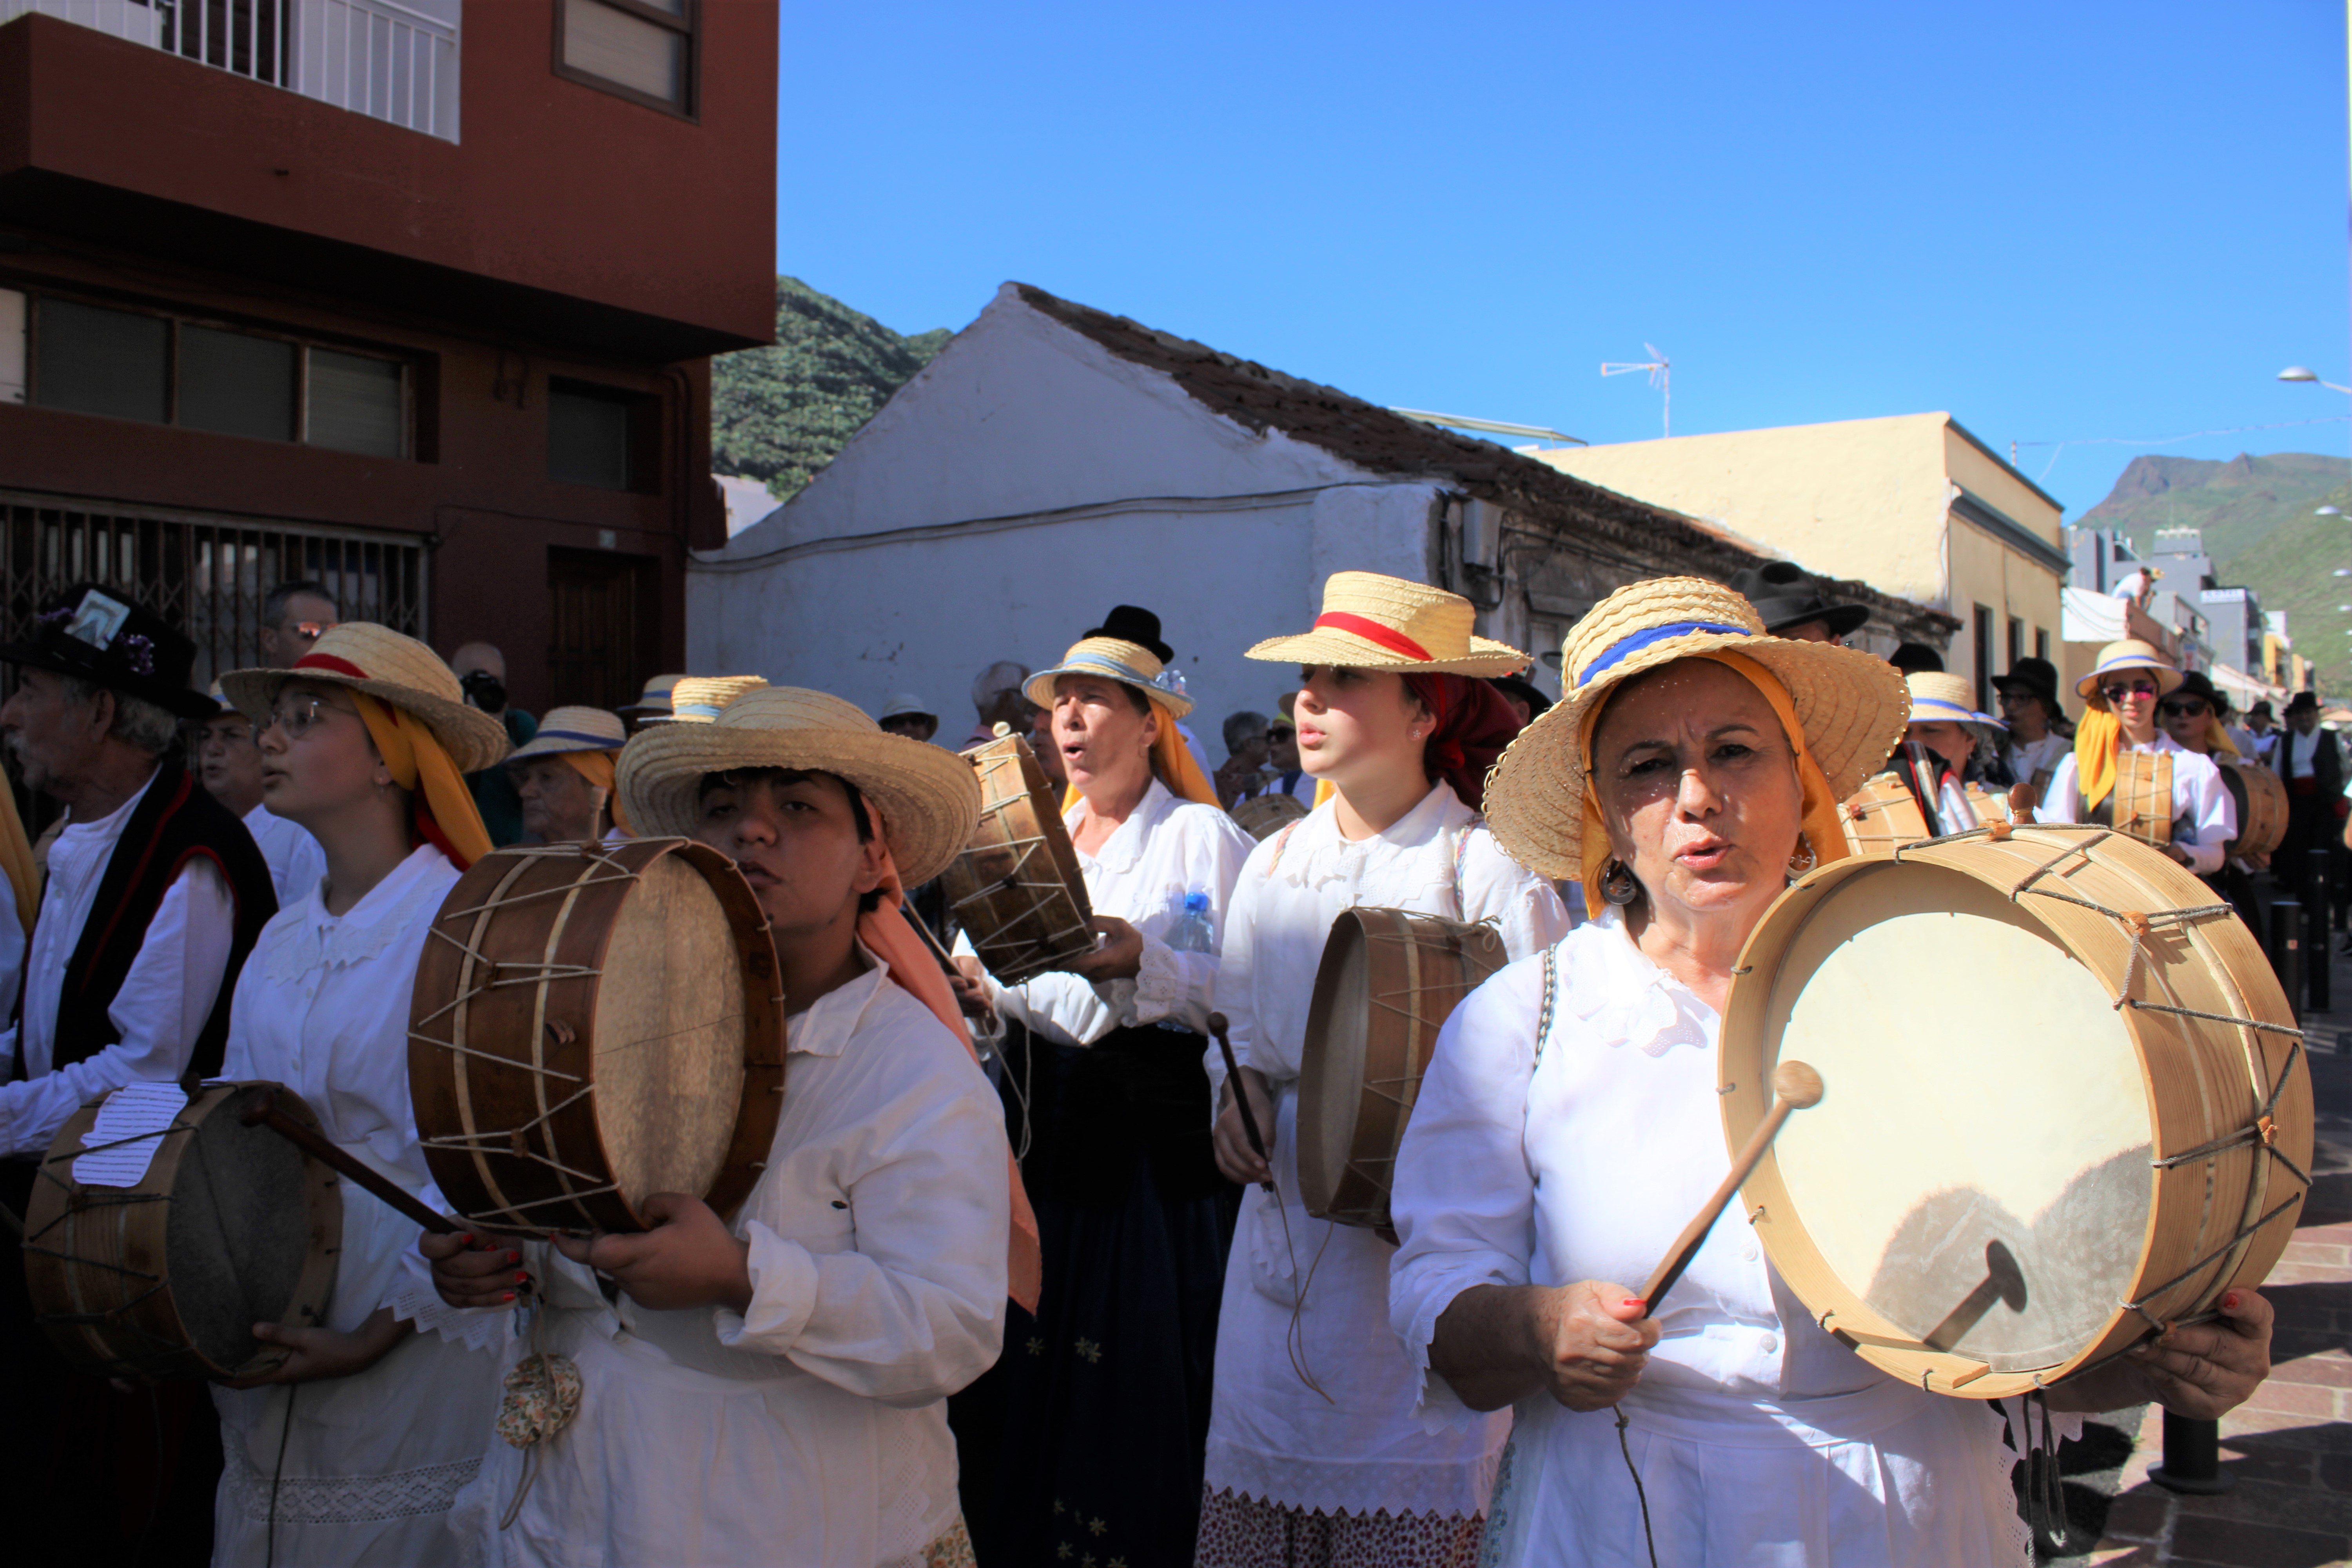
{"points": [[2262, 1131], [116, 1317]]}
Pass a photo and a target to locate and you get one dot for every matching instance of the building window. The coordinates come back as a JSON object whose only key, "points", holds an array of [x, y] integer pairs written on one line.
{"points": [[644, 50], [1983, 640], [2016, 642], [600, 435], [143, 365], [2041, 644]]}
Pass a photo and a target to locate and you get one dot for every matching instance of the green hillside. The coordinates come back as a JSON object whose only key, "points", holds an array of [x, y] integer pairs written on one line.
{"points": [[2236, 504], [780, 413], [2294, 569]]}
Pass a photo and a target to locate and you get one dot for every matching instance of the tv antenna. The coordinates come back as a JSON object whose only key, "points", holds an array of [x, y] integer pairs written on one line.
{"points": [[1661, 376]]}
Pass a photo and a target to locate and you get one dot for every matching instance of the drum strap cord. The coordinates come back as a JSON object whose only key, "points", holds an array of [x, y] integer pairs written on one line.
{"points": [[2045, 1489], [278, 1474], [1640, 1493]]}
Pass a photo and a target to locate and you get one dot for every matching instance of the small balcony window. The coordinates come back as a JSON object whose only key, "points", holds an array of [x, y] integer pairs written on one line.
{"points": [[600, 435], [641, 49], [356, 404]]}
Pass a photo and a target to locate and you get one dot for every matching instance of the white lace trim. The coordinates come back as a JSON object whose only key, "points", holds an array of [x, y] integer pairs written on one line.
{"points": [[1453, 1489], [301, 944], [476, 1328], [1159, 984], [1625, 998], [346, 1500]]}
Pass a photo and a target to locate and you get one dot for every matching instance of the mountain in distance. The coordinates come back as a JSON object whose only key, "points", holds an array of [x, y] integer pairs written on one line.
{"points": [[779, 413], [2258, 519]]}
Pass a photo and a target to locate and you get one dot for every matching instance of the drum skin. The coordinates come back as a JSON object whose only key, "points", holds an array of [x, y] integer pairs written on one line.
{"points": [[1387, 981], [2008, 1179], [591, 1025], [2261, 805], [1016, 887], [1881, 817], [1263, 816], [231, 1225]]}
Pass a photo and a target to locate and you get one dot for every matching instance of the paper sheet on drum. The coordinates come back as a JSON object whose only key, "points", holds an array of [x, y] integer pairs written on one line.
{"points": [[133, 1121]]}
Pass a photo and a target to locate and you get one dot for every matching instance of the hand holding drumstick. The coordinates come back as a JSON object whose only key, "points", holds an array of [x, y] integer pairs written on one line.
{"points": [[1240, 1135]]}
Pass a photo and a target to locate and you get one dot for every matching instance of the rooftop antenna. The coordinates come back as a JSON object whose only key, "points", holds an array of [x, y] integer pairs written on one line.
{"points": [[1661, 376]]}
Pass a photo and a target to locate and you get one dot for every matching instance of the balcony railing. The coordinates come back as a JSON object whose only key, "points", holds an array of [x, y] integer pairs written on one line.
{"points": [[375, 58]]}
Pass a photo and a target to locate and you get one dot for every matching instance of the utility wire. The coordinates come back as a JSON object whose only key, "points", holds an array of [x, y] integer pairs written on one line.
{"points": [[2168, 440]]}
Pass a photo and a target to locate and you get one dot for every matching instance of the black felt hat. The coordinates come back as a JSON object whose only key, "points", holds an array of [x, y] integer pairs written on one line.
{"points": [[101, 635], [1785, 595], [2303, 702], [2033, 677], [1133, 622]]}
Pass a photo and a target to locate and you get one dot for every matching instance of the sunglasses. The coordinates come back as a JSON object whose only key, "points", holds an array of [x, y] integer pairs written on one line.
{"points": [[2120, 692], [2194, 708], [308, 631]]}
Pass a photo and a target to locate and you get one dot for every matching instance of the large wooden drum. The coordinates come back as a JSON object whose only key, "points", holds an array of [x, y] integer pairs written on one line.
{"points": [[1016, 887], [594, 1023], [1882, 816], [2066, 1103], [1387, 981], [2261, 796], [230, 1225]]}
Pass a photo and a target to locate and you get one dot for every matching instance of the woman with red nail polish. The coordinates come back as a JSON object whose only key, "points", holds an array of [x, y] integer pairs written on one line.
{"points": [[364, 742], [1569, 1126]]}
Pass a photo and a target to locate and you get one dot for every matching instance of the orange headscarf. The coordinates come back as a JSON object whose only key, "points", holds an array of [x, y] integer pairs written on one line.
{"points": [[596, 767], [445, 813], [888, 934], [17, 860], [1822, 831]]}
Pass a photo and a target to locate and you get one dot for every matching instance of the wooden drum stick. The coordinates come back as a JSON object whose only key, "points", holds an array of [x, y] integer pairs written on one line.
{"points": [[264, 1113], [1795, 1087], [1241, 1099]]}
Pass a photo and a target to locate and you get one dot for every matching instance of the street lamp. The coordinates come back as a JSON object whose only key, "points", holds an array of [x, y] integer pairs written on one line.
{"points": [[2304, 372]]}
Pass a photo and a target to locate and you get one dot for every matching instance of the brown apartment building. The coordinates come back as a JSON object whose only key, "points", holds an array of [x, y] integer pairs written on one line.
{"points": [[415, 296]]}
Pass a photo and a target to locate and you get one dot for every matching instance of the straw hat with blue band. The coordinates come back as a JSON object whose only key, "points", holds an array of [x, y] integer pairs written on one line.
{"points": [[2129, 654], [1937, 698], [653, 703], [700, 699], [573, 730], [1133, 665], [1846, 709]]}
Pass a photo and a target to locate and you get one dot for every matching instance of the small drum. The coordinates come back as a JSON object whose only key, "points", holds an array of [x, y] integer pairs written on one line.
{"points": [[2141, 805], [230, 1225], [591, 1025], [1387, 981], [2066, 1103], [1263, 816], [2262, 807], [1882, 816], [1017, 889]]}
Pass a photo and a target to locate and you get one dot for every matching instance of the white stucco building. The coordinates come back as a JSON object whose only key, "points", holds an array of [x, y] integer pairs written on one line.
{"points": [[1054, 461]]}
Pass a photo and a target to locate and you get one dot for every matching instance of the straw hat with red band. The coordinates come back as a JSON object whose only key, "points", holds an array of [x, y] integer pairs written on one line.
{"points": [[1371, 622], [395, 670]]}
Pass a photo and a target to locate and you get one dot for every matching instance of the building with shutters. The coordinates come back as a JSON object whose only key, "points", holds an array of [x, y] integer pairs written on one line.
{"points": [[414, 296]]}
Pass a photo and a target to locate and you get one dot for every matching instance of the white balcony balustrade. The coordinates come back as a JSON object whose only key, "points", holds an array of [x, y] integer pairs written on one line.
{"points": [[377, 57]]}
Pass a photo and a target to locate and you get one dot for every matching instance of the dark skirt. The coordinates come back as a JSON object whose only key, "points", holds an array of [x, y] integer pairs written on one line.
{"points": [[1105, 1393]]}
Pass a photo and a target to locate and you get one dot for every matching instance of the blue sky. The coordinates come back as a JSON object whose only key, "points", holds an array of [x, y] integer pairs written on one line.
{"points": [[2058, 222]]}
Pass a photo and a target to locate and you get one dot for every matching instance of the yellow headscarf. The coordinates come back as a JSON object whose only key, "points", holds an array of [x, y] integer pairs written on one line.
{"points": [[2097, 737], [1822, 831], [596, 767], [445, 813], [17, 860]]}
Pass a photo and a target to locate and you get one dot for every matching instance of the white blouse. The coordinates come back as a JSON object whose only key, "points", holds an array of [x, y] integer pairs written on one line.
{"points": [[1168, 848], [371, 1463], [814, 1425], [1271, 1435], [2027, 758], [1758, 1437], [2204, 814], [162, 1005]]}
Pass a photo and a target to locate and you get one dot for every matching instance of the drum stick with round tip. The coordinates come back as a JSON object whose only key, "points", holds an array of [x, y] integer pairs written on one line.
{"points": [[1795, 1087], [1241, 1099], [264, 1113]]}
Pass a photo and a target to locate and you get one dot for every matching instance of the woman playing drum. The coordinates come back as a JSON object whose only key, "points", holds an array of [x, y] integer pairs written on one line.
{"points": [[355, 1448], [564, 777], [1316, 1456], [1106, 1389], [1570, 1125], [2122, 693]]}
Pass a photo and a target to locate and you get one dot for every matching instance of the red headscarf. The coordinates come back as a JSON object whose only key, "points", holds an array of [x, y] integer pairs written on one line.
{"points": [[1473, 725]]}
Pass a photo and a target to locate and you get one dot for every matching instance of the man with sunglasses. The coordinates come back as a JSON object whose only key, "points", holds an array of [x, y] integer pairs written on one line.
{"points": [[2121, 693], [293, 617]]}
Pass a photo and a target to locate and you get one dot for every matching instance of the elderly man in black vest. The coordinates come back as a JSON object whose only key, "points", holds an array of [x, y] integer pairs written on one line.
{"points": [[154, 894]]}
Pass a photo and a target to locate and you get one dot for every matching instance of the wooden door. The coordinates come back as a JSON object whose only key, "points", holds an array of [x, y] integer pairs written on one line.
{"points": [[603, 614]]}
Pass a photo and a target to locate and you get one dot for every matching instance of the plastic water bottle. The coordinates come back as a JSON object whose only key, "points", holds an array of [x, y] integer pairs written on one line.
{"points": [[1195, 931]]}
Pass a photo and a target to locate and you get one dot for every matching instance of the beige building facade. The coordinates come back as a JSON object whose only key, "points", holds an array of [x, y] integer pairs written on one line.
{"points": [[1913, 505]]}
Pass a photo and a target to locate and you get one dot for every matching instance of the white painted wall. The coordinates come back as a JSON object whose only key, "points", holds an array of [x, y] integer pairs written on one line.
{"points": [[1022, 484]]}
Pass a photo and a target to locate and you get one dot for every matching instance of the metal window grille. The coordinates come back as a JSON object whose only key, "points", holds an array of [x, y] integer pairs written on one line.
{"points": [[207, 574]]}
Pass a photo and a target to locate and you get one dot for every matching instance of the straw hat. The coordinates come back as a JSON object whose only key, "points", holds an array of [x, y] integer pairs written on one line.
{"points": [[397, 669], [697, 698], [2129, 654], [1851, 705], [1371, 622], [1130, 663], [929, 798], [1937, 698], [907, 705], [573, 730], [653, 701]]}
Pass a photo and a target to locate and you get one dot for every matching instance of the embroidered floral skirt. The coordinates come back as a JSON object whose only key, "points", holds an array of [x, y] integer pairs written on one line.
{"points": [[1237, 1532]]}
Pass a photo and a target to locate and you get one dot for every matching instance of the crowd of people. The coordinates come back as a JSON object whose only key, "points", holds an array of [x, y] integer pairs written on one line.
{"points": [[1028, 1277]]}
